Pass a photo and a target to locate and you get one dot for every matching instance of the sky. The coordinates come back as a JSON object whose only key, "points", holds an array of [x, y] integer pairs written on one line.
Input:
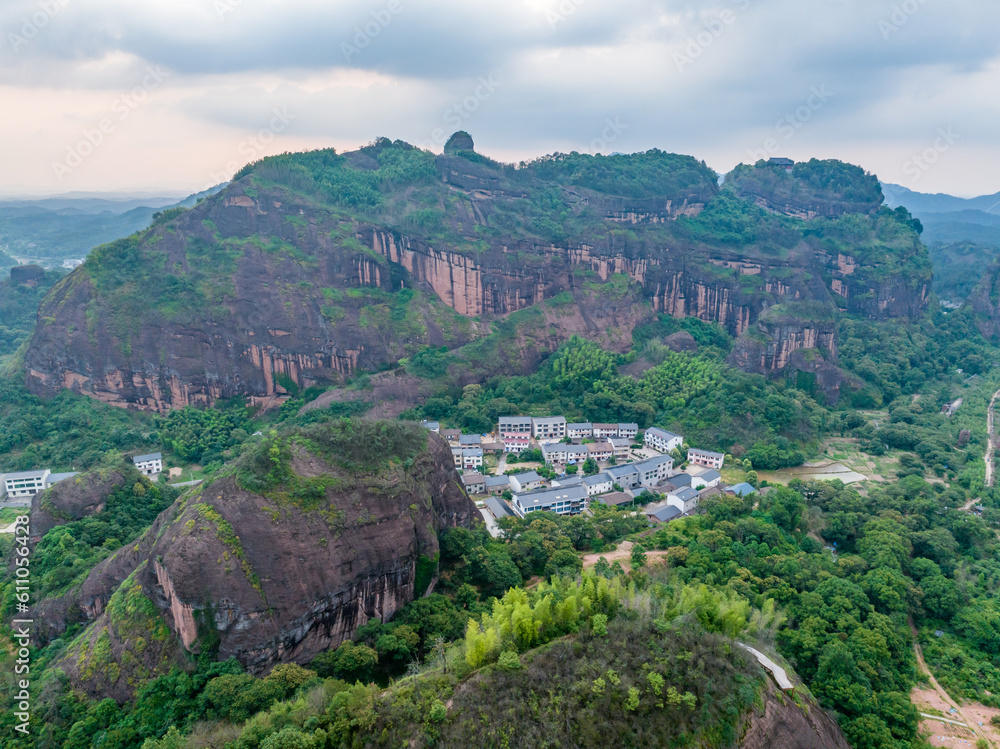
{"points": [[173, 96]]}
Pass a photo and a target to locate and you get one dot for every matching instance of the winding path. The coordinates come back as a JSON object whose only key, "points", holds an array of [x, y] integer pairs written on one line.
{"points": [[922, 665]]}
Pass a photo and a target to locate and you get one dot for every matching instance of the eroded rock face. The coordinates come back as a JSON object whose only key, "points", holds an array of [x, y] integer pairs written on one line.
{"points": [[782, 724], [77, 497], [273, 580]]}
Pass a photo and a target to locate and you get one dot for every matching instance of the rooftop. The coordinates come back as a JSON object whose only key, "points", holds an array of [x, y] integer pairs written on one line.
{"points": [[147, 458], [539, 497], [742, 490], [656, 431], [25, 475], [494, 481], [527, 477], [614, 499], [706, 453], [599, 478], [498, 507], [684, 495], [710, 475]]}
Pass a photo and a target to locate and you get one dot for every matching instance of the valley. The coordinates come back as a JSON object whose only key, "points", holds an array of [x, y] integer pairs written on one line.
{"points": [[694, 416]]}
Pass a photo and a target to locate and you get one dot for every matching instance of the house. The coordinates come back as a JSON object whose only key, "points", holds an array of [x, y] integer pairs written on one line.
{"points": [[706, 458], [525, 482], [577, 453], [556, 452], [628, 431], [470, 440], [684, 500], [515, 426], [149, 465], [434, 426], [28, 483], [580, 430], [707, 479], [512, 444], [741, 490], [627, 477], [653, 470], [456, 454], [474, 482], [661, 512], [600, 483], [497, 484], [493, 448], [570, 479], [499, 508], [472, 457], [621, 446], [615, 499], [568, 500], [780, 162], [605, 430], [600, 450], [452, 435], [548, 428], [662, 440]]}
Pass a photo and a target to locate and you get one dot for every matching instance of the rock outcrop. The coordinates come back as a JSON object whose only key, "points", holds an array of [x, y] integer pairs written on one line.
{"points": [[285, 571], [279, 282], [781, 724]]}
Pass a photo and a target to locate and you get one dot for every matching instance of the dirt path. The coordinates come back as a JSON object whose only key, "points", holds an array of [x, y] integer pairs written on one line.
{"points": [[990, 440], [623, 552], [922, 665]]}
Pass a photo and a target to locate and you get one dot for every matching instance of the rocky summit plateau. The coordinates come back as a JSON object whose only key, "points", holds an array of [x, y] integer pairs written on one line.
{"points": [[311, 268]]}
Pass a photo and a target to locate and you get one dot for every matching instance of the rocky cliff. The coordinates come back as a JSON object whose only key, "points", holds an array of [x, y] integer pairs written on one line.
{"points": [[312, 267], [280, 559], [985, 302]]}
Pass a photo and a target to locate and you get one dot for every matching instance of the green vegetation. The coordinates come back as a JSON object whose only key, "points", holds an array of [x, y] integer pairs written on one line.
{"points": [[19, 307]]}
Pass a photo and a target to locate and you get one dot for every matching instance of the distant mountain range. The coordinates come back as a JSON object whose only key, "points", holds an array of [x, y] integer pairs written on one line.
{"points": [[962, 235], [63, 229]]}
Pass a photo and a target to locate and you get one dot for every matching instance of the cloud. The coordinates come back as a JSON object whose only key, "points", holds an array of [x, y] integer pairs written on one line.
{"points": [[719, 80]]}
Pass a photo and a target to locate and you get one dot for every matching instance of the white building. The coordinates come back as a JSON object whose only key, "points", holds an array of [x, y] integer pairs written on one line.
{"points": [[474, 483], [706, 458], [684, 500], [627, 477], [654, 470], [706, 480], [622, 447], [513, 444], [28, 483], [525, 482], [472, 457], [600, 450], [600, 483], [605, 430], [569, 500], [549, 428], [149, 465], [662, 440], [433, 426], [580, 430], [515, 426], [25, 483], [628, 431]]}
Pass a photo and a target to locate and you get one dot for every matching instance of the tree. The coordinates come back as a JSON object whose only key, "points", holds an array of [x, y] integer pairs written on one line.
{"points": [[638, 557], [590, 467], [349, 662]]}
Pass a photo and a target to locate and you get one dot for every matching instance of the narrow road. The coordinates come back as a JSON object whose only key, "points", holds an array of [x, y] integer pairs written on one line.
{"points": [[922, 665], [990, 440]]}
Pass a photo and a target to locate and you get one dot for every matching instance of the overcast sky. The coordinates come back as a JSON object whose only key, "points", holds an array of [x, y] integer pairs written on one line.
{"points": [[175, 95]]}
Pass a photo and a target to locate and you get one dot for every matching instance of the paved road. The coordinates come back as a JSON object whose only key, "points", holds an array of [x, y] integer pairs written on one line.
{"points": [[776, 671]]}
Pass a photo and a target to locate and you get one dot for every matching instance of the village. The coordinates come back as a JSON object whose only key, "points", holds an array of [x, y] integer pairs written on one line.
{"points": [[535, 464], [18, 489]]}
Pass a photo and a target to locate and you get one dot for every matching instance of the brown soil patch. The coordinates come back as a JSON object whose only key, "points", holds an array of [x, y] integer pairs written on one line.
{"points": [[622, 554]]}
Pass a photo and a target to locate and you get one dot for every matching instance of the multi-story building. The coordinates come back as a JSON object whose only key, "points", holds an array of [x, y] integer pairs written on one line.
{"points": [[515, 426], [627, 477], [569, 500], [472, 457], [628, 431], [707, 479], [26, 484], [600, 483], [149, 465], [605, 430], [622, 447], [474, 482], [684, 500], [548, 428], [600, 450], [580, 431], [706, 458], [654, 470], [525, 482], [512, 444], [662, 440]]}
